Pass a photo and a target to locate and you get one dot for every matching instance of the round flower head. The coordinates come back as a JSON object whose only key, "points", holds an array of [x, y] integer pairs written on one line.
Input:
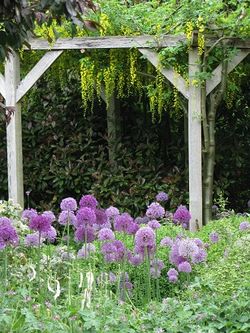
{"points": [[154, 224], [139, 220], [182, 216], [84, 233], [185, 267], [161, 197], [199, 256], [88, 201], [187, 248], [8, 234], [244, 226], [214, 237], [50, 235], [167, 241], [169, 215], [111, 212], [136, 260], [101, 217], [28, 214], [85, 216], [174, 256], [50, 215], [106, 234], [85, 251], [132, 229], [156, 266], [122, 222], [172, 275], [145, 241], [113, 251], [67, 216], [40, 223], [173, 278], [68, 204], [155, 211], [198, 242], [32, 240]]}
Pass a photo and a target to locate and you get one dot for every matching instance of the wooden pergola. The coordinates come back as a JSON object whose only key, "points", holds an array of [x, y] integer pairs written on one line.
{"points": [[13, 90]]}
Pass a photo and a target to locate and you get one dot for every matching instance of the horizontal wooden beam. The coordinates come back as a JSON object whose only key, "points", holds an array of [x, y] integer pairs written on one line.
{"points": [[113, 42], [238, 43], [169, 73], [216, 78], [36, 72], [2, 85]]}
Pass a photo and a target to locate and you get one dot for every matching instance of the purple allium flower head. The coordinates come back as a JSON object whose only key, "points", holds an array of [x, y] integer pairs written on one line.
{"points": [[174, 255], [128, 285], [67, 216], [111, 212], [68, 204], [155, 211], [198, 242], [182, 216], [88, 201], [173, 278], [244, 226], [106, 234], [169, 215], [161, 197], [185, 267], [50, 215], [199, 256], [187, 248], [28, 214], [172, 275], [113, 251], [214, 237], [132, 228], [112, 277], [101, 216], [32, 240], [85, 251], [122, 222], [136, 260], [139, 220], [154, 224], [40, 223], [8, 234], [85, 233], [156, 266], [167, 241], [85, 216], [145, 240], [50, 235]]}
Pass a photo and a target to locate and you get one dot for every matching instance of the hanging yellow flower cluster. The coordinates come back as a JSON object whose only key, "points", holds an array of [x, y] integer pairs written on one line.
{"points": [[87, 72], [201, 38], [189, 30]]}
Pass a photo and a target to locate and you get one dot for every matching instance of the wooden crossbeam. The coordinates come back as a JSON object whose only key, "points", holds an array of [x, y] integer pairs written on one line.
{"points": [[36, 72], [169, 73], [2, 85], [216, 78]]}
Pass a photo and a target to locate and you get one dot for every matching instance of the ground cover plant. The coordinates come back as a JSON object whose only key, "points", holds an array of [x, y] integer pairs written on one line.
{"points": [[91, 269]]}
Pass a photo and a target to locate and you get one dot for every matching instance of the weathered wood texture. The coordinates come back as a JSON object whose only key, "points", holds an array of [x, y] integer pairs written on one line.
{"points": [[14, 131], [194, 144], [2, 85], [216, 78], [36, 72], [169, 73]]}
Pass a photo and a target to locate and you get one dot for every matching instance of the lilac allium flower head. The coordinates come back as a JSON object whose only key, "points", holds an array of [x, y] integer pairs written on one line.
{"points": [[169, 215], [67, 216], [85, 216], [68, 204], [85, 233], [173, 278], [185, 267], [244, 226], [40, 223], [136, 260], [156, 266], [85, 251], [8, 234], [139, 220], [214, 237], [28, 214], [132, 228], [113, 251], [198, 242], [155, 211], [182, 216], [106, 234], [122, 222], [50, 235], [199, 256], [145, 241], [32, 240], [174, 256], [172, 275], [88, 200], [101, 216], [111, 212], [161, 197], [154, 224], [167, 241], [187, 248], [50, 215]]}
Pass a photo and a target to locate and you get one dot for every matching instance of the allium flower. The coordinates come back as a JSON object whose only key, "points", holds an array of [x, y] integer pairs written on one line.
{"points": [[156, 266], [122, 222], [50, 235], [111, 212], [112, 277], [88, 201], [85, 251], [113, 251], [145, 240], [50, 215], [139, 220], [244, 226], [155, 211], [67, 216], [32, 240], [8, 234], [161, 197], [187, 248], [169, 215], [85, 216], [132, 228], [214, 237], [198, 242], [136, 260], [28, 214], [40, 223], [199, 256], [154, 224], [172, 275], [174, 256], [185, 267], [106, 234], [173, 278], [182, 216], [101, 217], [85, 233], [68, 204], [167, 241]]}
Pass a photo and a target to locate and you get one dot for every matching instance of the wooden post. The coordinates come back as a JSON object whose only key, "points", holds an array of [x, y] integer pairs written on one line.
{"points": [[194, 143], [14, 131]]}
